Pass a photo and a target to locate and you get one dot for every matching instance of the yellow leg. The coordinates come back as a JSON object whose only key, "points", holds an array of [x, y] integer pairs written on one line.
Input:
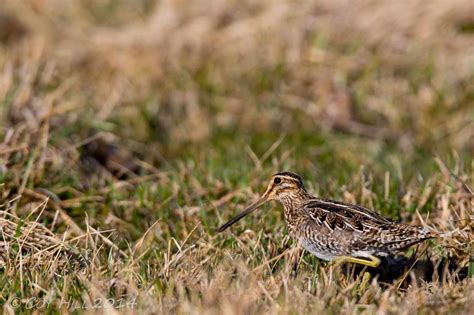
{"points": [[364, 282], [373, 262]]}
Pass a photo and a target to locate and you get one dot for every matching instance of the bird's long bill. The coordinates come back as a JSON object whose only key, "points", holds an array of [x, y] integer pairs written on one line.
{"points": [[250, 209]]}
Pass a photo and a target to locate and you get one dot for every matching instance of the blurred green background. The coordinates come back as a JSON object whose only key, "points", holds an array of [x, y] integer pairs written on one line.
{"points": [[233, 91]]}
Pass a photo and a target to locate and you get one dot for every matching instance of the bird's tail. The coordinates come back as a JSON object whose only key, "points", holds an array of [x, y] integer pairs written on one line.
{"points": [[431, 233]]}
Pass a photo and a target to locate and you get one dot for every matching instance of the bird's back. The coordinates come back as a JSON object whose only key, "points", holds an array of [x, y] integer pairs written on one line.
{"points": [[344, 229]]}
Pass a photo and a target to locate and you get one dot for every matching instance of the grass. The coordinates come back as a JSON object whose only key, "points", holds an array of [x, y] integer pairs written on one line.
{"points": [[130, 131]]}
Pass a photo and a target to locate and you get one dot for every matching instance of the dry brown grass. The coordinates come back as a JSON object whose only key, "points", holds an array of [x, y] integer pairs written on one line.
{"points": [[130, 130]]}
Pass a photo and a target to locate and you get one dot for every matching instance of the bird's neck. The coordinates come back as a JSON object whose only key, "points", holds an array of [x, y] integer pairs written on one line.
{"points": [[292, 204]]}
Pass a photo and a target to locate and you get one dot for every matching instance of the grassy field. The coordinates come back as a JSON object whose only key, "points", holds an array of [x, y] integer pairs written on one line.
{"points": [[130, 130]]}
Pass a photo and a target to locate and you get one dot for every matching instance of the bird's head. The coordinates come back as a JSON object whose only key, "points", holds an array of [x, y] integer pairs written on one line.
{"points": [[281, 186]]}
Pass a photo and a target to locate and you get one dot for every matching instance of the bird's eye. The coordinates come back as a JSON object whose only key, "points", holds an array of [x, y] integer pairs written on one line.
{"points": [[277, 180]]}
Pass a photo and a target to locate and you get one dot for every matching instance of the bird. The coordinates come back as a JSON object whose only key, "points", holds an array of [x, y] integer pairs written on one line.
{"points": [[332, 230]]}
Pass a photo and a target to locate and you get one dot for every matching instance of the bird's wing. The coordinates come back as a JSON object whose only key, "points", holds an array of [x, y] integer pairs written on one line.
{"points": [[376, 230], [336, 214]]}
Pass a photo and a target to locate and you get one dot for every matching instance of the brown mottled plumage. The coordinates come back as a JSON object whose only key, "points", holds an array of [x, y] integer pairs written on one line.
{"points": [[334, 230]]}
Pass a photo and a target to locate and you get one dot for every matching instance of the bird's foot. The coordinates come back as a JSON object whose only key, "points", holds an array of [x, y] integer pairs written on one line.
{"points": [[373, 262]]}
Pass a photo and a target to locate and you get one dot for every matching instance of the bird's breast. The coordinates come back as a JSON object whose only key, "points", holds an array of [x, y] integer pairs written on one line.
{"points": [[318, 251]]}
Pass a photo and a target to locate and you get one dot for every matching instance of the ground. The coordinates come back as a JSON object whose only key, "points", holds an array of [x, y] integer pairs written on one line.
{"points": [[129, 131]]}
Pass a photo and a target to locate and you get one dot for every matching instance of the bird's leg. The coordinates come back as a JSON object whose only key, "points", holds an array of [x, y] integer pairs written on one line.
{"points": [[373, 262], [364, 282], [295, 259]]}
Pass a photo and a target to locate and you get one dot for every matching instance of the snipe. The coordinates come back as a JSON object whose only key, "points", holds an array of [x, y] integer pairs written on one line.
{"points": [[333, 230]]}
